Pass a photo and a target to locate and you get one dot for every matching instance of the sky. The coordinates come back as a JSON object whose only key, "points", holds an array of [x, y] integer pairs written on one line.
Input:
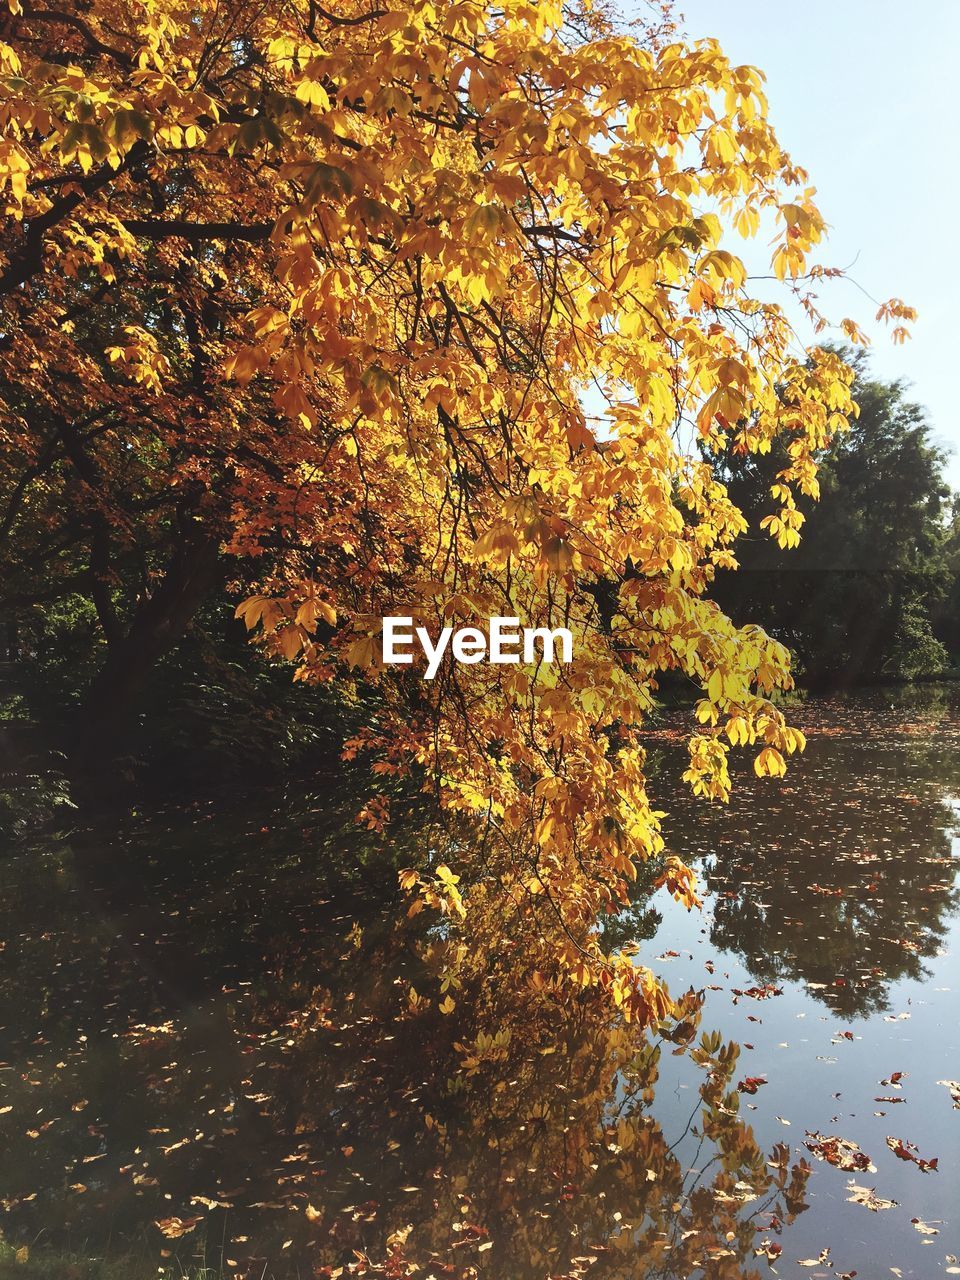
{"points": [[860, 95]]}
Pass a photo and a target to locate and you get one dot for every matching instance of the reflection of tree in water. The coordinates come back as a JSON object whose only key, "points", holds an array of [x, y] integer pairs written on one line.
{"points": [[216, 1053], [844, 875]]}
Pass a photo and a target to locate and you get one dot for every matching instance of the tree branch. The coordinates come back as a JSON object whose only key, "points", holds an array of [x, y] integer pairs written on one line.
{"points": [[28, 260], [163, 229], [337, 21], [94, 43]]}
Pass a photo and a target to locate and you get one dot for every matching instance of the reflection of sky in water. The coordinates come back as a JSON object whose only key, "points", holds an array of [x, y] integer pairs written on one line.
{"points": [[840, 889]]}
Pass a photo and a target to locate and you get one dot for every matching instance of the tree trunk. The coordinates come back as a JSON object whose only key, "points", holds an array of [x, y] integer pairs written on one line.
{"points": [[157, 625]]}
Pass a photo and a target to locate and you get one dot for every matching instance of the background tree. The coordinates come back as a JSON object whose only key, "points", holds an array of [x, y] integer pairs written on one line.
{"points": [[858, 598], [947, 610]]}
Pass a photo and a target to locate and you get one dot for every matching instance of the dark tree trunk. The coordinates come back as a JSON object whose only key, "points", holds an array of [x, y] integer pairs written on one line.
{"points": [[156, 627]]}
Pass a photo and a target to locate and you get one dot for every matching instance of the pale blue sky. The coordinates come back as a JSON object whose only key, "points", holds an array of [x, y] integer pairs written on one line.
{"points": [[862, 95]]}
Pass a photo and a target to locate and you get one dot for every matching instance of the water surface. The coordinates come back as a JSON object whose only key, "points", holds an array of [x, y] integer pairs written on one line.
{"points": [[829, 949], [211, 1060]]}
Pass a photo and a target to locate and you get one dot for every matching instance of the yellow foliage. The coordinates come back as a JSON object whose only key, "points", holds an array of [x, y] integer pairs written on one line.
{"points": [[387, 250]]}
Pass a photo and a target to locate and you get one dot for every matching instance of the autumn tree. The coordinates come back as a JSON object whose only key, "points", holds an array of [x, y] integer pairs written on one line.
{"points": [[321, 292]]}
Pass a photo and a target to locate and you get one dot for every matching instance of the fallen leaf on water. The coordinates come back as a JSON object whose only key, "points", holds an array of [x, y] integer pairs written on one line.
{"points": [[867, 1196], [838, 1152], [815, 1262], [905, 1151], [751, 1084], [925, 1228], [174, 1228], [757, 993]]}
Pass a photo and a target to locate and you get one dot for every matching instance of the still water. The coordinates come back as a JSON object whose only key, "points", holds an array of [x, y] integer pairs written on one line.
{"points": [[211, 1061]]}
